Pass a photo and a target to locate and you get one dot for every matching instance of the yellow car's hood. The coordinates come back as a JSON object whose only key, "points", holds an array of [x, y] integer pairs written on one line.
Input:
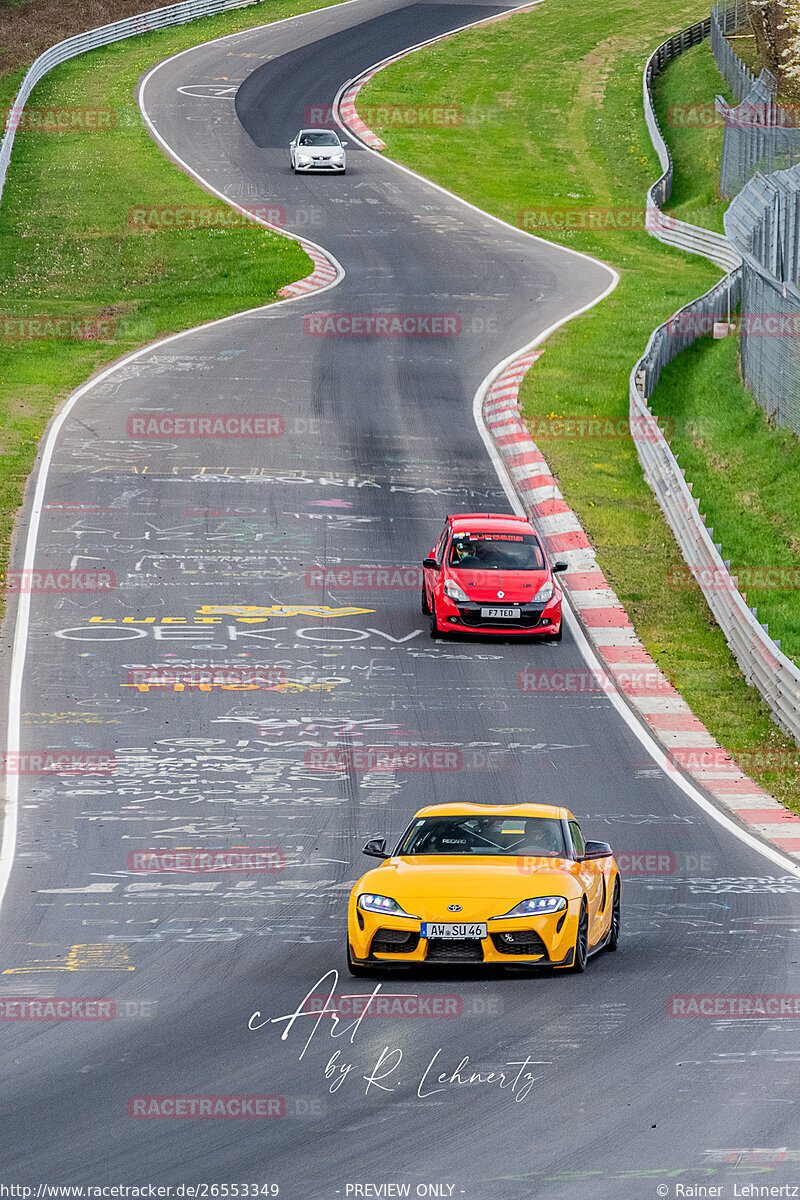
{"points": [[432, 882]]}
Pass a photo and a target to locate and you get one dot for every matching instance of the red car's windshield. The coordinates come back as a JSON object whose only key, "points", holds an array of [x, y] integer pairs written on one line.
{"points": [[496, 552]]}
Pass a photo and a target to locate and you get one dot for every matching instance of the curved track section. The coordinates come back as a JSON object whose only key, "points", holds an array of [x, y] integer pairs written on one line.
{"points": [[212, 541]]}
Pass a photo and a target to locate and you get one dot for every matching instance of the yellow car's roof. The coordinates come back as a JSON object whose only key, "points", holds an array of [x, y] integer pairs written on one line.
{"points": [[495, 810]]}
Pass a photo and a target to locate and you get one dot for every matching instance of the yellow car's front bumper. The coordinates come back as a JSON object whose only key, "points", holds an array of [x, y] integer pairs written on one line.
{"points": [[548, 940]]}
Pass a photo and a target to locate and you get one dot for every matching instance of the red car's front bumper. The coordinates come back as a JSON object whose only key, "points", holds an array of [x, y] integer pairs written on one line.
{"points": [[466, 618]]}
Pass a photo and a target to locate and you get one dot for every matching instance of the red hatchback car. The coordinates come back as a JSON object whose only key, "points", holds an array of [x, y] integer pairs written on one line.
{"points": [[488, 573]]}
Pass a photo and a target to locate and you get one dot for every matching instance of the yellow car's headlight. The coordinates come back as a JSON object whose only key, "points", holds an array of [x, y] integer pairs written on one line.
{"points": [[535, 907], [370, 902]]}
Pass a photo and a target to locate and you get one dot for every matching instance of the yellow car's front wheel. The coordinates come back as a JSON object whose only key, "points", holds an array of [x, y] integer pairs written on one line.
{"points": [[581, 953]]}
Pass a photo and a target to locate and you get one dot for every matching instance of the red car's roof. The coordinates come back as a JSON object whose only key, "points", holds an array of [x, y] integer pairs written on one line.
{"points": [[486, 522]]}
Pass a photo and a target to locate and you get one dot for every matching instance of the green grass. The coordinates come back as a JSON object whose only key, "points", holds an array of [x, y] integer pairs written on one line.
{"points": [[67, 247], [560, 90]]}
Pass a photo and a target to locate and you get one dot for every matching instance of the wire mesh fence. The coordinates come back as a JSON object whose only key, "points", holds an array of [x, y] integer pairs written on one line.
{"points": [[763, 222], [760, 135]]}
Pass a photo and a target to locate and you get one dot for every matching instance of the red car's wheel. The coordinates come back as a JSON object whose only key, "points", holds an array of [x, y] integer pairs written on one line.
{"points": [[435, 630], [426, 608]]}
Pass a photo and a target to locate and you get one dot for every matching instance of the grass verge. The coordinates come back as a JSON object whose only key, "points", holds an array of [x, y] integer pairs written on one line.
{"points": [[67, 247], [556, 93]]}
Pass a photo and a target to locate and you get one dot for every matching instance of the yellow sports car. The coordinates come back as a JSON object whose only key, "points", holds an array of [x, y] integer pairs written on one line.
{"points": [[507, 885]]}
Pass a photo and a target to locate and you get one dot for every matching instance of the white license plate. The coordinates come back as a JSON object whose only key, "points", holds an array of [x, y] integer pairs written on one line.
{"points": [[501, 613], [440, 929]]}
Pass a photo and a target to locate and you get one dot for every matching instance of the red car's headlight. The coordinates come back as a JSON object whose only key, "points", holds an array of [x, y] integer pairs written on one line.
{"points": [[544, 593], [456, 593]]}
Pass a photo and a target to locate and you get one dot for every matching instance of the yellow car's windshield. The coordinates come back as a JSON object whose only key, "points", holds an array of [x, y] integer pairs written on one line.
{"points": [[542, 836]]}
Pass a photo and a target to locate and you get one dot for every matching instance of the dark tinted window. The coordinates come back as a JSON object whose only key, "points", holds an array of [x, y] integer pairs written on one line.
{"points": [[496, 552], [539, 836], [323, 138]]}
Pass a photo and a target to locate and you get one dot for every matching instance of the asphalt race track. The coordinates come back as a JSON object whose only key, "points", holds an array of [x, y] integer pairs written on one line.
{"points": [[612, 1096]]}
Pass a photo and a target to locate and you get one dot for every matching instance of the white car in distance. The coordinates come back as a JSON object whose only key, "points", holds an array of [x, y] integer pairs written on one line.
{"points": [[318, 150]]}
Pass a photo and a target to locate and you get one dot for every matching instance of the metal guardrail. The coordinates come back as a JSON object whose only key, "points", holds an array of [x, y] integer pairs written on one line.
{"points": [[759, 656], [104, 35], [667, 229]]}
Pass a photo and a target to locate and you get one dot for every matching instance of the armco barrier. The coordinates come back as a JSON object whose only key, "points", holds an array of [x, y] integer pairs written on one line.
{"points": [[678, 233], [758, 655], [104, 35]]}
